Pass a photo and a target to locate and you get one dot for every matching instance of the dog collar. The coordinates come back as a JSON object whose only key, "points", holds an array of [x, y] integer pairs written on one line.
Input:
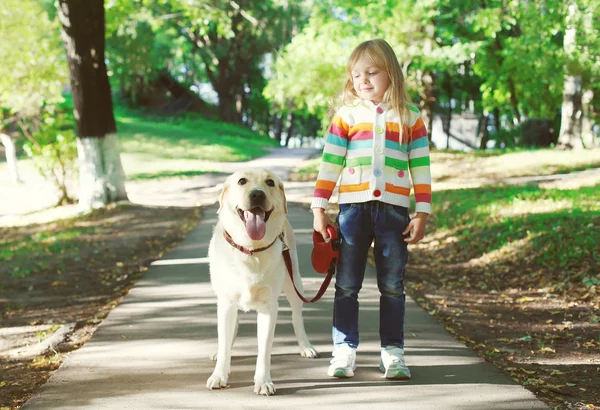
{"points": [[247, 251]]}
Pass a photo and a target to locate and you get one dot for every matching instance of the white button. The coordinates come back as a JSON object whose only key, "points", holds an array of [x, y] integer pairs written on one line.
{"points": [[378, 150]]}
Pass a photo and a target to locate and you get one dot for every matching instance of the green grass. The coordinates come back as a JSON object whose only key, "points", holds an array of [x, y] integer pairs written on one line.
{"points": [[553, 230], [165, 147], [42, 242], [167, 174], [188, 137], [42, 245]]}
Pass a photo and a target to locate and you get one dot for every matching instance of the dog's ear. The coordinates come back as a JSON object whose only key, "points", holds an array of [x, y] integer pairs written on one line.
{"points": [[222, 195], [283, 196]]}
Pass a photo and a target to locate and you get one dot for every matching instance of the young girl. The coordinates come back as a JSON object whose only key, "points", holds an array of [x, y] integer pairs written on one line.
{"points": [[374, 141]]}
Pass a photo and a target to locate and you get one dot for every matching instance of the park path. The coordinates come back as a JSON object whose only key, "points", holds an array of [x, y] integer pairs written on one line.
{"points": [[204, 189], [151, 352]]}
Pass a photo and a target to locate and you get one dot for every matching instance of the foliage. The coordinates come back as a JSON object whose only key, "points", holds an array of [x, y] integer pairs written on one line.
{"points": [[33, 68], [131, 48], [504, 56], [54, 152], [198, 43]]}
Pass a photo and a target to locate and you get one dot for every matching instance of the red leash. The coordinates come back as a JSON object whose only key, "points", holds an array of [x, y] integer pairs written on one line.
{"points": [[288, 263], [324, 258]]}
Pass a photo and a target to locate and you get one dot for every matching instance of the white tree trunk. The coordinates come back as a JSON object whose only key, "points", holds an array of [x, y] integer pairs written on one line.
{"points": [[101, 175], [571, 121], [571, 110], [11, 157]]}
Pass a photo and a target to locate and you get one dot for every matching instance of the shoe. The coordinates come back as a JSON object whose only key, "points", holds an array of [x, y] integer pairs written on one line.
{"points": [[392, 363], [343, 362]]}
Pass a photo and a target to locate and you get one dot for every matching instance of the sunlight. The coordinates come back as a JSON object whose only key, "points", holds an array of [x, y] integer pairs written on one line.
{"points": [[505, 252], [188, 261], [519, 207]]}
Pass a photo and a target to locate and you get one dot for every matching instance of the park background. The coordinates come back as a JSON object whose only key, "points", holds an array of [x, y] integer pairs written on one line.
{"points": [[102, 99]]}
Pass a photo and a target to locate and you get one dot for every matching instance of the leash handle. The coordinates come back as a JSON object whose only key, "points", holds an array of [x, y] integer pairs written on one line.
{"points": [[288, 264]]}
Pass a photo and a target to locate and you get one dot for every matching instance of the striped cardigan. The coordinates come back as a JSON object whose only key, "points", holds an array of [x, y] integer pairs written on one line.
{"points": [[363, 145]]}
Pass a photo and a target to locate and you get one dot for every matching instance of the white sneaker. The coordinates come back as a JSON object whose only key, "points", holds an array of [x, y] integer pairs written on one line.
{"points": [[392, 363], [343, 362]]}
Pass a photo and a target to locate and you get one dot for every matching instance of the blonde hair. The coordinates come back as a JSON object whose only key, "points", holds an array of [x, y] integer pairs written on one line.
{"points": [[382, 56]]}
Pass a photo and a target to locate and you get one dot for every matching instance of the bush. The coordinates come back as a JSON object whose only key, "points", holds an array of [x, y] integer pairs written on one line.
{"points": [[54, 153]]}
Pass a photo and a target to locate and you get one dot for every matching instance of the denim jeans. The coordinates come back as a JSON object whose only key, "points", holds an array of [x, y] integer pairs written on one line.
{"points": [[360, 225]]}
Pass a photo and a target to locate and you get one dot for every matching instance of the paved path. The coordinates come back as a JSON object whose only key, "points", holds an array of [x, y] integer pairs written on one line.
{"points": [[204, 189], [151, 352]]}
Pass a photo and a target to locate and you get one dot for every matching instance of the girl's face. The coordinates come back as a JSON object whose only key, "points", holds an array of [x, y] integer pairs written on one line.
{"points": [[370, 82]]}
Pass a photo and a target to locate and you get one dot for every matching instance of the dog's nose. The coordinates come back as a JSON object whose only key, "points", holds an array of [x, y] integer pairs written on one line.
{"points": [[257, 197]]}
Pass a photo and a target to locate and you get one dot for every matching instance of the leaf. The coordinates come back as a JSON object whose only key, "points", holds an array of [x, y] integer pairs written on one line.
{"points": [[58, 283]]}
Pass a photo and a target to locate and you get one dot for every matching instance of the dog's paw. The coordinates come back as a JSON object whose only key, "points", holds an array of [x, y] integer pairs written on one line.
{"points": [[213, 356], [264, 388], [309, 352], [217, 380]]}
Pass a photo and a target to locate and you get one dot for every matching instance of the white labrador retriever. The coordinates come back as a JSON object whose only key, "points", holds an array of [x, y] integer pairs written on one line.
{"points": [[248, 272]]}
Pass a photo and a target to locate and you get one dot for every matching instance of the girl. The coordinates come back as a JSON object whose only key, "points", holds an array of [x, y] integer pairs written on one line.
{"points": [[375, 139]]}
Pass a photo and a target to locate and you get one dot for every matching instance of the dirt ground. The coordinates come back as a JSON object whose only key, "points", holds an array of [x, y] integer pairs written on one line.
{"points": [[73, 281]]}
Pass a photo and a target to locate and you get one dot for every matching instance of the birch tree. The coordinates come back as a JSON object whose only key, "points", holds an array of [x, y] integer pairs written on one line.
{"points": [[581, 73]]}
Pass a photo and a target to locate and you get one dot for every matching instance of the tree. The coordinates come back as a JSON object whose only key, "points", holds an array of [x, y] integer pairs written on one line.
{"points": [[581, 72], [31, 72], [102, 179]]}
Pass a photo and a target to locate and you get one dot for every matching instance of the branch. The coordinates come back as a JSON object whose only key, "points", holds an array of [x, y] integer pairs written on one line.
{"points": [[27, 134], [246, 15]]}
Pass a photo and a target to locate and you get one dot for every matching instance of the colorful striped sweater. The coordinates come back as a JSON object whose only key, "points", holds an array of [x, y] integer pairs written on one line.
{"points": [[363, 145]]}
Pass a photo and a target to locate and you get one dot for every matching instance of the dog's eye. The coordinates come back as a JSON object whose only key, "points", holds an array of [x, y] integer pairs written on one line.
{"points": [[270, 182], [242, 181]]}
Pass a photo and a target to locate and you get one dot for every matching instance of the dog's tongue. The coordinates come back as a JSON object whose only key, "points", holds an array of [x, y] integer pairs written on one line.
{"points": [[255, 223]]}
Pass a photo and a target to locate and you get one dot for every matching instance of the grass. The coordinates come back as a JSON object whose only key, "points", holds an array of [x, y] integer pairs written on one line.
{"points": [[154, 147], [141, 176], [64, 240], [188, 137], [552, 231]]}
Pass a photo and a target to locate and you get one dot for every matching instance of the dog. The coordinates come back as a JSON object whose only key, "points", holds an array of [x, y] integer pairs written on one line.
{"points": [[248, 272]]}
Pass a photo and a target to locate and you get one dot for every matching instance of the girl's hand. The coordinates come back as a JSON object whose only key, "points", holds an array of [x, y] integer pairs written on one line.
{"points": [[416, 228], [320, 222]]}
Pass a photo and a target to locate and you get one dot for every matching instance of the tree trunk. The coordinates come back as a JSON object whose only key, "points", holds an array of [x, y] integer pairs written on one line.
{"points": [[514, 103], [571, 114], [11, 157], [571, 121], [428, 99], [497, 123], [101, 176], [290, 129], [482, 132], [277, 127], [102, 179], [448, 122]]}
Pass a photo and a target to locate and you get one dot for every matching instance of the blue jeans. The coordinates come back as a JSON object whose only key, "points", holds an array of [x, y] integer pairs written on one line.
{"points": [[360, 225]]}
